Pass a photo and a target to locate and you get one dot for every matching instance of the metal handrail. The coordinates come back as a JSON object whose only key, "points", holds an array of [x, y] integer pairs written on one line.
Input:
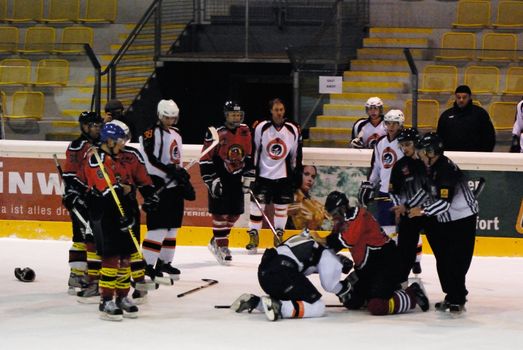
{"points": [[414, 83], [95, 100]]}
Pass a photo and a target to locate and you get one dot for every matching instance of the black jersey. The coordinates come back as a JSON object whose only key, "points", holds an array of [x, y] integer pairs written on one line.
{"points": [[409, 183]]}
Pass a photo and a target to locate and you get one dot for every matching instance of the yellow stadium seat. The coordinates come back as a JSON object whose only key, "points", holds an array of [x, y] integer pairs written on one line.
{"points": [[3, 99], [498, 47], [463, 44], [482, 79], [8, 39], [15, 71], [472, 14], [439, 79], [510, 15], [27, 104], [72, 37], [26, 11], [3, 12], [39, 39], [514, 81], [100, 11], [428, 113], [62, 11], [503, 114], [52, 72]]}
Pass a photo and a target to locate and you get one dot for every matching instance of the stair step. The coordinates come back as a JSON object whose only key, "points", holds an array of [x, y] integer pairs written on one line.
{"points": [[387, 32], [326, 143], [387, 53], [396, 42], [340, 121], [61, 136], [375, 76], [180, 26], [375, 87], [317, 133], [379, 65], [150, 37], [65, 123], [360, 96]]}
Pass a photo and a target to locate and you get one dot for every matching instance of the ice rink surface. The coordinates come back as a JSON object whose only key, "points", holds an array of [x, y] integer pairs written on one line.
{"points": [[41, 315]]}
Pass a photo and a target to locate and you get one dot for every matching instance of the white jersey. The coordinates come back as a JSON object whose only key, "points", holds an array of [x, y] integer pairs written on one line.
{"points": [[518, 124], [276, 150], [161, 147], [386, 154], [368, 133]]}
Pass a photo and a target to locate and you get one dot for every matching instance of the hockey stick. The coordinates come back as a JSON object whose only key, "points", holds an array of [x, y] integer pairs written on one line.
{"points": [[215, 141], [209, 281], [480, 187], [88, 230], [116, 199], [229, 306], [264, 216]]}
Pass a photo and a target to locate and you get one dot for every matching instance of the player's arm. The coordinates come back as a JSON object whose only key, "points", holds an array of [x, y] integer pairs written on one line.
{"points": [[207, 167], [148, 143]]}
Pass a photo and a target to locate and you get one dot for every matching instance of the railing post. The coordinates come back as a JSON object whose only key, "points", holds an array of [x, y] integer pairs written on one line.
{"points": [[158, 30], [246, 28], [296, 94], [97, 90], [339, 27], [112, 78], [414, 83]]}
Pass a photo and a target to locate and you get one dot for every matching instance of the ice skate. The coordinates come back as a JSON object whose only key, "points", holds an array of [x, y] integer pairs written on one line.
{"points": [[272, 308], [254, 240], [420, 296], [139, 296], [222, 254], [145, 285], [456, 309], [156, 276], [244, 302], [109, 311], [75, 281], [442, 306], [278, 238], [416, 269], [129, 308], [89, 295], [173, 272]]}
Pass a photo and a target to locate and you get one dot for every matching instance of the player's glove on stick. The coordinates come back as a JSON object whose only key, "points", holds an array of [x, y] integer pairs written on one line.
{"points": [[216, 188], [366, 193], [126, 223], [73, 199], [151, 203], [357, 143]]}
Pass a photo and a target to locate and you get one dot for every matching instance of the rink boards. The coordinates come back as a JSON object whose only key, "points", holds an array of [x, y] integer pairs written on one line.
{"points": [[30, 194]]}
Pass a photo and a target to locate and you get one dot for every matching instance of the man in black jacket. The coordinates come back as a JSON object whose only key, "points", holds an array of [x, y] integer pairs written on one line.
{"points": [[465, 126]]}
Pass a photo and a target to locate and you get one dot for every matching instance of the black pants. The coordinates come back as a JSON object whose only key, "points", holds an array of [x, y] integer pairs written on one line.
{"points": [[408, 237], [453, 247], [279, 277]]}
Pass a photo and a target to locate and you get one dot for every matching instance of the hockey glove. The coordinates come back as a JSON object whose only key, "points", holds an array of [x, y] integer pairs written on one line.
{"points": [[73, 199], [515, 146], [366, 193], [126, 223], [357, 143], [346, 262], [188, 191], [347, 286], [151, 203], [216, 188]]}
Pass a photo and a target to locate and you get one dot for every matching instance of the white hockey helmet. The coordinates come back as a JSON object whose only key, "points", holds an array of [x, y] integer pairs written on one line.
{"points": [[124, 127], [375, 102], [168, 108], [395, 115]]}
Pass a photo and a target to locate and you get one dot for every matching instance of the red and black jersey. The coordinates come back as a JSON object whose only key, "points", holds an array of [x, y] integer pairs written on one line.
{"points": [[74, 156], [232, 155], [133, 161], [362, 234]]}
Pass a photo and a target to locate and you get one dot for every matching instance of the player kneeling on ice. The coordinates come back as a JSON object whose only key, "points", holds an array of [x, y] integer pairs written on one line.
{"points": [[375, 258], [282, 275]]}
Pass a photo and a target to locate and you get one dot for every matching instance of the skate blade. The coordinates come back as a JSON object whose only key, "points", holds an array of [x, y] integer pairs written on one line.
{"points": [[140, 301], [144, 287], [130, 314], [107, 317], [166, 281], [88, 300], [71, 291], [252, 251]]}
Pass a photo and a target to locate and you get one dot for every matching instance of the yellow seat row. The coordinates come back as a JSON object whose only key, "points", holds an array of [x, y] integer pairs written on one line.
{"points": [[49, 72], [462, 46], [25, 105], [477, 13], [481, 79], [59, 11], [43, 39]]}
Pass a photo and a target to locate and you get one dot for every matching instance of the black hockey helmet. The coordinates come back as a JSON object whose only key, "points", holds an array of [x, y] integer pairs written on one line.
{"points": [[431, 142], [334, 200], [233, 114], [87, 117], [409, 134], [25, 275]]}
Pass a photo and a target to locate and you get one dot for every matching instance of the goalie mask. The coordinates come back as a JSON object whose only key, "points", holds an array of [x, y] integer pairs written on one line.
{"points": [[168, 109], [233, 114]]}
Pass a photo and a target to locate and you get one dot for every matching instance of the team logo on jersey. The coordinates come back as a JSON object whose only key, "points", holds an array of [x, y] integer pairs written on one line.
{"points": [[99, 174], [444, 193], [174, 152], [388, 158], [235, 153], [277, 149], [148, 134], [372, 139]]}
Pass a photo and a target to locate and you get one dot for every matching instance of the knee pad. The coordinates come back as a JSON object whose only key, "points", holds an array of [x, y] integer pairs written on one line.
{"points": [[378, 307]]}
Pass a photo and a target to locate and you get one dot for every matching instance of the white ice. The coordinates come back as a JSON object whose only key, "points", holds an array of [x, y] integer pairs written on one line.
{"points": [[41, 315]]}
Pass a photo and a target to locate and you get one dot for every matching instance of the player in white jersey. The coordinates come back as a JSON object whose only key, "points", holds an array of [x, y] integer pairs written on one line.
{"points": [[386, 153], [162, 145], [517, 130], [277, 155], [367, 131], [455, 207]]}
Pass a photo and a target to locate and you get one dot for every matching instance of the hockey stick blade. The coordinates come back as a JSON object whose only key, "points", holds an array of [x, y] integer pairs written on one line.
{"points": [[229, 306], [209, 283]]}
